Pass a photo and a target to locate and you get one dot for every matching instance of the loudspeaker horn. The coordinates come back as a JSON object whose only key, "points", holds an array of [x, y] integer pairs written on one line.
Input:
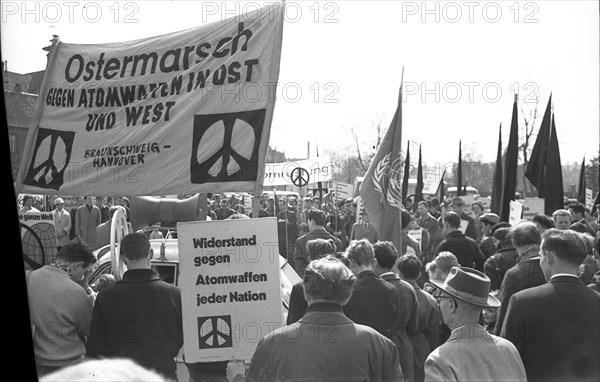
{"points": [[146, 210]]}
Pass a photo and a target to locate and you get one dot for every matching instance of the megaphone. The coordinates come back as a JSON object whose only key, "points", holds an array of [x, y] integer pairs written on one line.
{"points": [[146, 210]]}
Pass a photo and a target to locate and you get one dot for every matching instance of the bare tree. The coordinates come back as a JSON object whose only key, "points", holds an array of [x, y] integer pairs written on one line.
{"points": [[364, 163]]}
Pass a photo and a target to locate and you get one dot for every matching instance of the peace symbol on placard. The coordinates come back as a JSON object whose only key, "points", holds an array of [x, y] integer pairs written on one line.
{"points": [[300, 177], [214, 332], [51, 156]]}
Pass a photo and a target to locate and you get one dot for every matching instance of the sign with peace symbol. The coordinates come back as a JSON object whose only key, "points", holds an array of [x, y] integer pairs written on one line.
{"points": [[300, 176], [214, 332], [51, 156], [225, 146]]}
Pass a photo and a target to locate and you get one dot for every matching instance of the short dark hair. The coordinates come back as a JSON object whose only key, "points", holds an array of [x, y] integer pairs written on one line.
{"points": [[544, 221], [410, 267], [385, 254], [569, 246], [319, 248], [525, 233], [501, 234], [361, 252], [578, 208], [27, 197], [317, 216], [76, 251], [135, 246], [452, 219]]}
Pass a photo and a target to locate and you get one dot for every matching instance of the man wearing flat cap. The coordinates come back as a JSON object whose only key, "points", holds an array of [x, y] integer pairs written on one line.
{"points": [[458, 205], [471, 353], [487, 245]]}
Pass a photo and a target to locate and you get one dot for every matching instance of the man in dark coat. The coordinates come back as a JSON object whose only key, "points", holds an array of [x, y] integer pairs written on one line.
{"points": [[386, 256], [140, 316], [505, 258], [527, 273], [316, 221], [374, 302], [325, 345], [555, 326], [464, 248]]}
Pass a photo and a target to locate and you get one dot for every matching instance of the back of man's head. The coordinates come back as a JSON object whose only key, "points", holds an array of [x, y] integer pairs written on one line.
{"points": [[567, 245], [577, 208], [385, 254], [317, 216], [525, 233], [361, 252], [544, 221], [75, 252], [501, 234], [445, 260], [410, 267], [135, 246], [319, 248], [329, 279], [453, 219]]}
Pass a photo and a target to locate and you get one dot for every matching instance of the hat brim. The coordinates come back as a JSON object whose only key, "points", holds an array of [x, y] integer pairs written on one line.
{"points": [[492, 302]]}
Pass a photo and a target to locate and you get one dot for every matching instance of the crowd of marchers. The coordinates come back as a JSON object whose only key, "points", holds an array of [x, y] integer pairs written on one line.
{"points": [[475, 300]]}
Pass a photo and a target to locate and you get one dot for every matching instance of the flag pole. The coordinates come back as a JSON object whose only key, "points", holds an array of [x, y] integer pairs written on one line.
{"points": [[402, 201]]}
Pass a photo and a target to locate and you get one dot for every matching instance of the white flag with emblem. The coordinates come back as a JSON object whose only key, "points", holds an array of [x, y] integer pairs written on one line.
{"points": [[185, 112]]}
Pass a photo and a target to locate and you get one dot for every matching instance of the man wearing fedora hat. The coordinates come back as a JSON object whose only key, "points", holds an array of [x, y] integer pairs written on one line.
{"points": [[457, 206], [471, 353]]}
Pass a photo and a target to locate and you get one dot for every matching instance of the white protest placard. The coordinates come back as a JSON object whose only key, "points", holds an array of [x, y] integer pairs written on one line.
{"points": [[230, 287], [318, 169], [431, 181], [516, 212], [38, 238], [532, 207], [343, 191], [589, 199], [185, 112], [417, 236]]}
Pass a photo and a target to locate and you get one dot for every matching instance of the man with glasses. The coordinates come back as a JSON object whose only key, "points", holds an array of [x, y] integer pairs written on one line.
{"points": [[471, 353]]}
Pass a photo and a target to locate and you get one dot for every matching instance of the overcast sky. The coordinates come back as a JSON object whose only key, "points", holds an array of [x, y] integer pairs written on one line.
{"points": [[342, 61]]}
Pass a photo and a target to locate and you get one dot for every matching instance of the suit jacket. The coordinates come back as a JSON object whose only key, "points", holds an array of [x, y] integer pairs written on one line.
{"points": [[62, 224], [427, 337], [299, 260], [464, 248], [556, 329], [472, 354], [325, 345], [526, 274], [407, 322]]}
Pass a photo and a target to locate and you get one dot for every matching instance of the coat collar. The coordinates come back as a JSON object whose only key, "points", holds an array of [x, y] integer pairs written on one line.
{"points": [[469, 332], [566, 279], [325, 312], [140, 275], [454, 234]]}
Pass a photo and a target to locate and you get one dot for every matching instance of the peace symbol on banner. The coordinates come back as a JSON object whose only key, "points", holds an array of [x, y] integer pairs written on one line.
{"points": [[300, 177]]}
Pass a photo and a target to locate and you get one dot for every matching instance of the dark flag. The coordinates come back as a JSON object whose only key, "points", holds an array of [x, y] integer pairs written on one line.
{"points": [[509, 183], [441, 188], [536, 168], [554, 198], [406, 172], [420, 185], [459, 183], [381, 190], [497, 186], [582, 183]]}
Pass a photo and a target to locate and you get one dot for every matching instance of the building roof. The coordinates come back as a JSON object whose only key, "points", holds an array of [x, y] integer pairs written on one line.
{"points": [[15, 82], [20, 108]]}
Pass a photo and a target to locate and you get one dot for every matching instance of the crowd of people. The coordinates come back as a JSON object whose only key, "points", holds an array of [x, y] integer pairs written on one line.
{"points": [[475, 300]]}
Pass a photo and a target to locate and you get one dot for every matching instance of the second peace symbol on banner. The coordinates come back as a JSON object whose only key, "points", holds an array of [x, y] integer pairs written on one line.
{"points": [[300, 177]]}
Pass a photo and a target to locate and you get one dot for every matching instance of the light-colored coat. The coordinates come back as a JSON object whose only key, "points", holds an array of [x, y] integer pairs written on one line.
{"points": [[62, 226], [86, 223], [472, 354]]}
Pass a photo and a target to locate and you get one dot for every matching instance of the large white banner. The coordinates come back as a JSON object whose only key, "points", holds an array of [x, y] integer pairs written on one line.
{"points": [[185, 112], [38, 238], [230, 287]]}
